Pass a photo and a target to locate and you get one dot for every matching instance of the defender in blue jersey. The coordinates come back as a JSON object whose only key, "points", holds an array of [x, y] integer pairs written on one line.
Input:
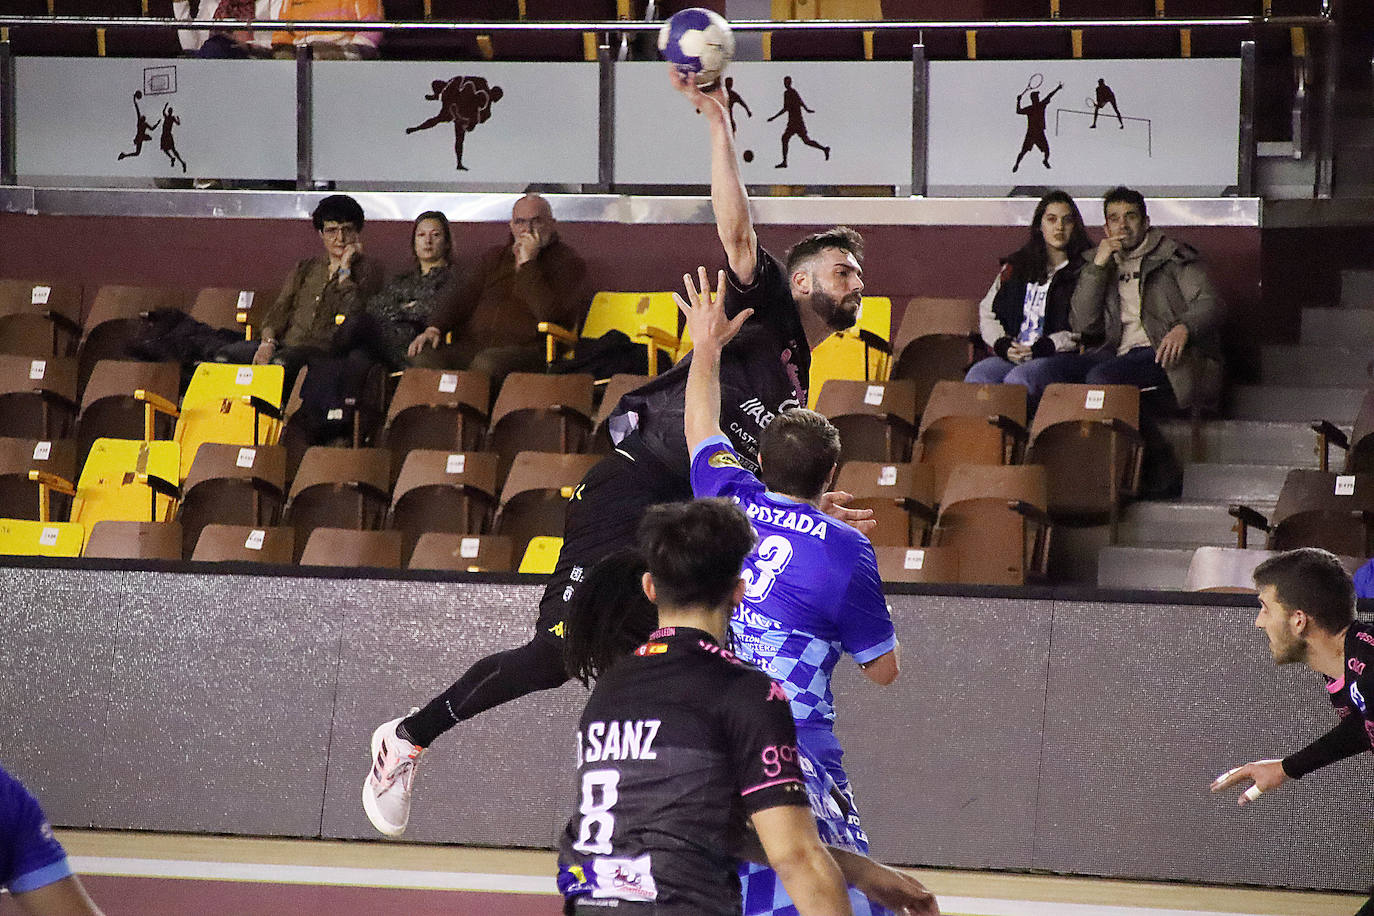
{"points": [[33, 865], [813, 590]]}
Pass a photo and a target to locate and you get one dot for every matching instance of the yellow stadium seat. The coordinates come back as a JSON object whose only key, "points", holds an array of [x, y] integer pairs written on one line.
{"points": [[23, 538], [231, 405], [129, 480], [541, 556], [860, 353], [645, 318]]}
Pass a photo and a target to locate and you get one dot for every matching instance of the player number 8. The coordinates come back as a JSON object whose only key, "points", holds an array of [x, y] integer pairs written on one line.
{"points": [[594, 833]]}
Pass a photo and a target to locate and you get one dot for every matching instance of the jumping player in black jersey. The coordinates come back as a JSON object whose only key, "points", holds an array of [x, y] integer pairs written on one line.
{"points": [[1307, 609], [766, 369], [680, 742]]}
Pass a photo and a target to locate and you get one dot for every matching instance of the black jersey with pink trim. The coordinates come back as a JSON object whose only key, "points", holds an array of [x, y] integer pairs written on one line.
{"points": [[678, 745], [1353, 696]]}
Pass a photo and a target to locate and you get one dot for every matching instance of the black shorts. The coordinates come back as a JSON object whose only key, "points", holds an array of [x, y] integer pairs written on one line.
{"points": [[603, 516]]}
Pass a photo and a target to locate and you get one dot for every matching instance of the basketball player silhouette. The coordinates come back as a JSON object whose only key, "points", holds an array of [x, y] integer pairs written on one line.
{"points": [[143, 132], [169, 143]]}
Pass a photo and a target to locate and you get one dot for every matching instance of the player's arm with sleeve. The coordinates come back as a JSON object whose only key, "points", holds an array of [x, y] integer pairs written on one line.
{"points": [[711, 331], [762, 739], [866, 630], [33, 864]]}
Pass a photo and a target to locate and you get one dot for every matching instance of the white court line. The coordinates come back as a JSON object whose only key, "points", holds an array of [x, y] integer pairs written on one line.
{"points": [[523, 884]]}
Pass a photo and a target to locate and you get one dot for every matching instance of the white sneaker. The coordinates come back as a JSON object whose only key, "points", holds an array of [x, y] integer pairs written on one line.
{"points": [[386, 791]]}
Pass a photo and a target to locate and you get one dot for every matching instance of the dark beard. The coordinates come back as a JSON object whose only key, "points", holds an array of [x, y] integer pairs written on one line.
{"points": [[828, 307]]}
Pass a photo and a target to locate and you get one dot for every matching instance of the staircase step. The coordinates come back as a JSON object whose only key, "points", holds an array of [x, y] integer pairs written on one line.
{"points": [[1232, 483], [1245, 442], [1143, 567], [1357, 289], [1314, 365], [1180, 524], [1295, 404], [1337, 327]]}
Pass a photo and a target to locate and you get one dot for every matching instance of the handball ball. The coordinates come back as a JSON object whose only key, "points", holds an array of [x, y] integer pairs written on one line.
{"points": [[698, 43]]}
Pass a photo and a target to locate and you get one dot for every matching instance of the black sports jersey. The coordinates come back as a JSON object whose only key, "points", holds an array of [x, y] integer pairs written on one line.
{"points": [[1350, 695], [677, 746], [764, 370]]}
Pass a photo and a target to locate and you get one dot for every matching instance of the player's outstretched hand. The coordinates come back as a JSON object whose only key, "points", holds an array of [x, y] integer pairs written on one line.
{"points": [[834, 504], [706, 319], [702, 101], [888, 887], [1266, 775]]}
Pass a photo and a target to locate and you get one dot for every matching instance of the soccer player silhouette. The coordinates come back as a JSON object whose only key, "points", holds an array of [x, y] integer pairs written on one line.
{"points": [[169, 143], [793, 106], [465, 101], [143, 132], [1106, 97], [733, 98], [1035, 124]]}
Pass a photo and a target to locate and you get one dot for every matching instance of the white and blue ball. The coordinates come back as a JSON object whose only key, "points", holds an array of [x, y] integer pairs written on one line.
{"points": [[698, 43]]}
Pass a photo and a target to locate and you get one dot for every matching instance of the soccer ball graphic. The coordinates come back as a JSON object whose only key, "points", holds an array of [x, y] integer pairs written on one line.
{"points": [[698, 43]]}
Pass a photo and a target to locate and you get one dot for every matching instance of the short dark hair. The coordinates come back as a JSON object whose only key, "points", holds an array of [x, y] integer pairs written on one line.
{"points": [[1312, 580], [442, 220], [841, 237], [1124, 195], [798, 450], [337, 208], [694, 550], [608, 615]]}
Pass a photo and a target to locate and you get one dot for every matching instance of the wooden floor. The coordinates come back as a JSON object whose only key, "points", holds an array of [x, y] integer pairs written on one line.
{"points": [[145, 874]]}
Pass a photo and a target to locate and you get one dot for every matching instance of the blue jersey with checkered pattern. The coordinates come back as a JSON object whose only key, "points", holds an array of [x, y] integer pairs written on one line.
{"points": [[813, 590]]}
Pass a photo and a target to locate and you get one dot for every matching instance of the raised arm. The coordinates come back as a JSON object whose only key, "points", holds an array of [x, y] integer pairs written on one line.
{"points": [[710, 330], [734, 225]]}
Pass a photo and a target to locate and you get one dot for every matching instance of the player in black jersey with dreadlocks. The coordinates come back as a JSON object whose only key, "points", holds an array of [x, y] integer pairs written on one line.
{"points": [[1307, 609]]}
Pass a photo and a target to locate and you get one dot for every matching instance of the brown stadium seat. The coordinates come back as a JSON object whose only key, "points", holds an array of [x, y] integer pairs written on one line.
{"points": [[231, 307], [554, 46], [110, 409], [462, 552], [918, 564], [994, 517], [1316, 509], [232, 485], [900, 495], [540, 413], [1087, 438], [37, 396], [19, 495], [114, 322], [443, 491], [122, 42], [534, 500], [39, 317], [438, 409], [122, 540], [350, 547], [934, 342], [245, 544], [968, 423], [339, 488], [1358, 446], [617, 386], [876, 420]]}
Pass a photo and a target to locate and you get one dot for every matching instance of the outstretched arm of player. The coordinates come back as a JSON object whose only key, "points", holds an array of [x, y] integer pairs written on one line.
{"points": [[710, 330], [885, 886], [1347, 739], [734, 225], [794, 851], [1266, 775]]}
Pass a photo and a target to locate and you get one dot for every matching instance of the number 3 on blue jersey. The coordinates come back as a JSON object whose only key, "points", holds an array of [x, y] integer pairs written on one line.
{"points": [[773, 556], [594, 833]]}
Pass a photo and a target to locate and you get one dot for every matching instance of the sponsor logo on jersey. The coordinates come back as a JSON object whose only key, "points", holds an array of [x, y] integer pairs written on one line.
{"points": [[1356, 697], [1355, 665], [652, 648], [723, 459], [558, 629], [1365, 637], [624, 879]]}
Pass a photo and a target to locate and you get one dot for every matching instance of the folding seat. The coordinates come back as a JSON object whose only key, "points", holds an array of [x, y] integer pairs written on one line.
{"points": [[436, 409], [121, 540], [968, 423], [462, 552], [616, 387], [1316, 509], [1019, 43], [245, 544], [994, 517], [649, 319], [37, 396], [350, 547], [1224, 569], [1358, 446], [809, 44], [900, 495], [1142, 42], [426, 44], [339, 488], [534, 500], [934, 343], [39, 317], [876, 420], [24, 538], [1087, 438], [229, 404], [127, 480], [133, 42], [231, 307], [232, 485], [939, 43], [862, 352], [540, 413], [21, 494], [556, 45], [115, 322], [115, 403], [1103, 9], [541, 555], [443, 491], [33, 40], [918, 564]]}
